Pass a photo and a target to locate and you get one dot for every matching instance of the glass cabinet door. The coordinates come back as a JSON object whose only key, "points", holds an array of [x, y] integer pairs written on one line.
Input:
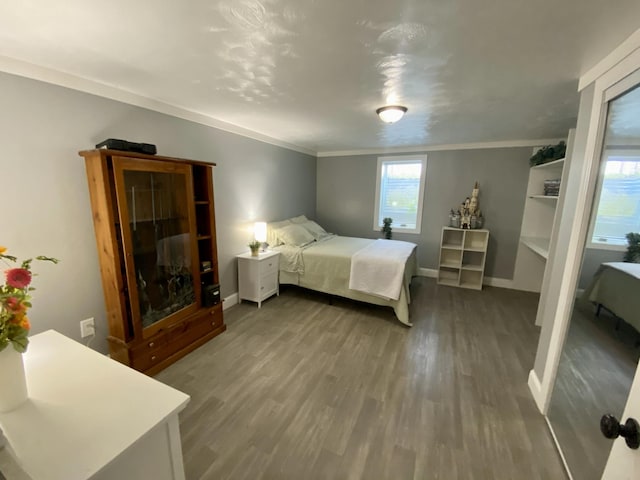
{"points": [[155, 203]]}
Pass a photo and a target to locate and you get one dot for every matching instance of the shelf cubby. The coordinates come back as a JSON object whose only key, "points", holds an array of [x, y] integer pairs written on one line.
{"points": [[462, 257]]}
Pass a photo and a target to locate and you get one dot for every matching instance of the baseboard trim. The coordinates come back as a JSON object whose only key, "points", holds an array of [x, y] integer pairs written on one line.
{"points": [[499, 282], [229, 301], [536, 390], [558, 448], [490, 281], [427, 272]]}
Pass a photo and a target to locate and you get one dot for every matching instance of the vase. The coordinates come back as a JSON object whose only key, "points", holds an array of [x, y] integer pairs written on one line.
{"points": [[12, 378], [255, 252]]}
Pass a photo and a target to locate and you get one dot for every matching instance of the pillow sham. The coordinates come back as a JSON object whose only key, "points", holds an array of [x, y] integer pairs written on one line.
{"points": [[272, 228], [294, 235], [299, 219], [315, 230]]}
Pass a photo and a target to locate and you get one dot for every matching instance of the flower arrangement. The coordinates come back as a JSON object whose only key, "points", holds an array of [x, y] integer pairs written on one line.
{"points": [[15, 300], [254, 246]]}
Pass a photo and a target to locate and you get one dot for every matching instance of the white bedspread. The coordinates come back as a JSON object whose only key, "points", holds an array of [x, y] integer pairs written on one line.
{"points": [[378, 268]]}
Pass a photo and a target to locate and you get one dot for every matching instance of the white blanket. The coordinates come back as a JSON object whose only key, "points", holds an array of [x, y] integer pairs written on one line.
{"points": [[378, 269]]}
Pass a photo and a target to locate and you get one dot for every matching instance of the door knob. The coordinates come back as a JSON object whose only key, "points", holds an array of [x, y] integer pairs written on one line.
{"points": [[630, 430]]}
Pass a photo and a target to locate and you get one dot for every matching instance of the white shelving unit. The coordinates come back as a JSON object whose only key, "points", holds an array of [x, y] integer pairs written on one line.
{"points": [[538, 220], [462, 257]]}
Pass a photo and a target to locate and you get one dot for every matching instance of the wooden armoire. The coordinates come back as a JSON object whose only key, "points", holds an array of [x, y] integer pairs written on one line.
{"points": [[154, 220]]}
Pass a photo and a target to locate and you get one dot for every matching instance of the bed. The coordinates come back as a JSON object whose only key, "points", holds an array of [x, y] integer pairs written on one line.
{"points": [[616, 287], [330, 263]]}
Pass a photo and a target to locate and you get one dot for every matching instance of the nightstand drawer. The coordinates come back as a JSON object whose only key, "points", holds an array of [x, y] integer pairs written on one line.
{"points": [[269, 266]]}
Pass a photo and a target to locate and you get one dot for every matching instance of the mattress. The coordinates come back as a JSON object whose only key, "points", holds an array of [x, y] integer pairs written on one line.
{"points": [[325, 267], [615, 286]]}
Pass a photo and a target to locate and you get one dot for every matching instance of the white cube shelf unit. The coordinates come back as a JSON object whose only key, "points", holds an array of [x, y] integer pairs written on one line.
{"points": [[462, 257]]}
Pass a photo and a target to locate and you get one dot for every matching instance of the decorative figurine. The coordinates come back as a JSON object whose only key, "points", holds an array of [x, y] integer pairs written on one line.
{"points": [[469, 214]]}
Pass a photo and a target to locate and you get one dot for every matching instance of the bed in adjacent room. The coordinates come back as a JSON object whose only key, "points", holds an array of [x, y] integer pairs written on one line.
{"points": [[615, 286], [372, 271]]}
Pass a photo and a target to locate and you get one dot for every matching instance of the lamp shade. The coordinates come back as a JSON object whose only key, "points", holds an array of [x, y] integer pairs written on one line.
{"points": [[391, 113], [260, 231]]}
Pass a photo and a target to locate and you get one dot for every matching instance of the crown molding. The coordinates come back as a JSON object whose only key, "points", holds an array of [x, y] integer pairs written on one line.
{"points": [[439, 148], [74, 82]]}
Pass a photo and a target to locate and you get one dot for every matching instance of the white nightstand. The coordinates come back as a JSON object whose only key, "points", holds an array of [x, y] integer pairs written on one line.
{"points": [[258, 276]]}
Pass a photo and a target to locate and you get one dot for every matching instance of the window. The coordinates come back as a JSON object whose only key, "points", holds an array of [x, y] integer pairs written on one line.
{"points": [[618, 204], [400, 191]]}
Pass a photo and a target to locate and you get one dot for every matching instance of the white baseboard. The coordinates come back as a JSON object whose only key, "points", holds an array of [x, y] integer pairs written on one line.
{"points": [[229, 301], [427, 272], [536, 390], [559, 449], [490, 281]]}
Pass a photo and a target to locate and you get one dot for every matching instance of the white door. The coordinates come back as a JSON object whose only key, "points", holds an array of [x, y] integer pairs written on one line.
{"points": [[624, 463]]}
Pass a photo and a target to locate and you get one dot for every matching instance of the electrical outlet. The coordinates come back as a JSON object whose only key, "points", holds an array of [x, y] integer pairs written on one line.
{"points": [[87, 328]]}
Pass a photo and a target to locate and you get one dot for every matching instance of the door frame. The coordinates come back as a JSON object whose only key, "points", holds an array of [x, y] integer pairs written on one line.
{"points": [[597, 87]]}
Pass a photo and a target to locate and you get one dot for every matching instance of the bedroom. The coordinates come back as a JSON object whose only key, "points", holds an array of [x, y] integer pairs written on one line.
{"points": [[43, 127]]}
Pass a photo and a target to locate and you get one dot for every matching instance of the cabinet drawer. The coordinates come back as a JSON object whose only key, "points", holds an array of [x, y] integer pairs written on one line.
{"points": [[145, 359], [150, 344], [204, 324], [269, 266], [197, 327]]}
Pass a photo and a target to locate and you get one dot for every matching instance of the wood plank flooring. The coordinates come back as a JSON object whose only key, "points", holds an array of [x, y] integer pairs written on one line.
{"points": [[306, 389], [594, 377]]}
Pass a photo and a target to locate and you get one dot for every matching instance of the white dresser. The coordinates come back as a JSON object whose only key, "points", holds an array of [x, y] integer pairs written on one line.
{"points": [[258, 276], [88, 416]]}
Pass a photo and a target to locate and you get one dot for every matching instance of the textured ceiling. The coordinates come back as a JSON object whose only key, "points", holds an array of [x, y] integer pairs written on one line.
{"points": [[312, 72]]}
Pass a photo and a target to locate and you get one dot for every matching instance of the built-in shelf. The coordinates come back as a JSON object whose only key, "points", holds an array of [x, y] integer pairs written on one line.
{"points": [[550, 165], [538, 217], [538, 245], [544, 197]]}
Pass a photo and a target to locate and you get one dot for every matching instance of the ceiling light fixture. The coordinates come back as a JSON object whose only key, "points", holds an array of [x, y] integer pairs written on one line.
{"points": [[391, 113]]}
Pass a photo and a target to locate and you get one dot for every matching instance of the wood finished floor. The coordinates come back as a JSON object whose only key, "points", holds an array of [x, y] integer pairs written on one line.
{"points": [[302, 389], [595, 375]]}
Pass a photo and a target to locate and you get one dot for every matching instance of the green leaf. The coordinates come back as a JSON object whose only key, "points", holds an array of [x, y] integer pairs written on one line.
{"points": [[20, 340], [47, 259]]}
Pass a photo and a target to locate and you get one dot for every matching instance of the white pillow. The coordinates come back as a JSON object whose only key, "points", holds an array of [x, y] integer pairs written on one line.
{"points": [[294, 235], [272, 228], [314, 229], [299, 219]]}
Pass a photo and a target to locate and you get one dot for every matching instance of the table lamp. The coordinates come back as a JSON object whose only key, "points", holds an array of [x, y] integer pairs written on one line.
{"points": [[260, 233]]}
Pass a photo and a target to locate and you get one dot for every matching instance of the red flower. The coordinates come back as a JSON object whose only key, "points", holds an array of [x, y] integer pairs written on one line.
{"points": [[18, 277]]}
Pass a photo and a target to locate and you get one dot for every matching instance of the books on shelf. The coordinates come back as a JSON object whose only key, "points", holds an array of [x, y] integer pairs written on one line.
{"points": [[552, 187]]}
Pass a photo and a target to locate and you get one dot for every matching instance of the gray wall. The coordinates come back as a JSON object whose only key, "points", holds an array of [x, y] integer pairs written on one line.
{"points": [[347, 186], [45, 198], [593, 257]]}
